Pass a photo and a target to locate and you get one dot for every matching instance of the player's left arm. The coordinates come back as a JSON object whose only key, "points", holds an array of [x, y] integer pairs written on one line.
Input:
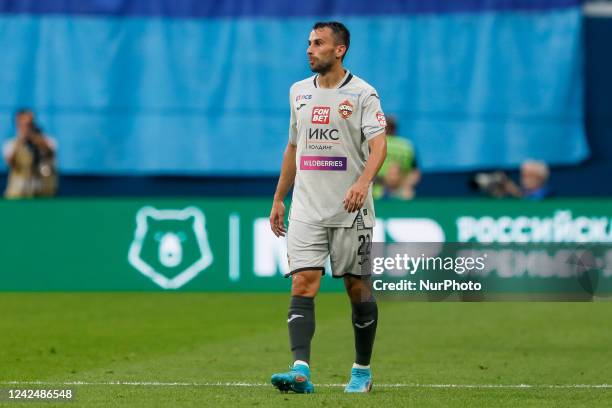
{"points": [[356, 195]]}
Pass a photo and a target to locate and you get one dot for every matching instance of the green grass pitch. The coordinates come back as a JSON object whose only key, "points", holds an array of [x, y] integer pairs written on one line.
{"points": [[189, 350]]}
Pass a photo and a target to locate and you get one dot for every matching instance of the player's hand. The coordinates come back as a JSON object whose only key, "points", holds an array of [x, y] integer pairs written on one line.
{"points": [[355, 196], [277, 218]]}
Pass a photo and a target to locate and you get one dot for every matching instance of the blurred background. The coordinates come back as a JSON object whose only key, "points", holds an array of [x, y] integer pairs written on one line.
{"points": [[141, 145], [115, 106]]}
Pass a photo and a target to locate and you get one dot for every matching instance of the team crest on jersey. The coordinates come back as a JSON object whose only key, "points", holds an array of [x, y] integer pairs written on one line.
{"points": [[345, 109], [381, 119]]}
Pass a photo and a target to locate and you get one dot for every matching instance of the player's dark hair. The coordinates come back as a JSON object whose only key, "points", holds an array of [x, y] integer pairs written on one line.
{"points": [[22, 111], [339, 30]]}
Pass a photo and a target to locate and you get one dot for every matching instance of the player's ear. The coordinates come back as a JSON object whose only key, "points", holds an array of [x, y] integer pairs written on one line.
{"points": [[340, 51]]}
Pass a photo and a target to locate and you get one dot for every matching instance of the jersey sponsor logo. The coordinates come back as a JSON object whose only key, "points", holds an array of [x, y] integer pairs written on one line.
{"points": [[345, 109], [303, 98], [323, 134], [381, 119], [320, 115], [319, 146], [322, 163], [322, 139]]}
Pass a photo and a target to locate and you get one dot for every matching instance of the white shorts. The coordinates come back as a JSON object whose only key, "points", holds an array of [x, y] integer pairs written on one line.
{"points": [[348, 248]]}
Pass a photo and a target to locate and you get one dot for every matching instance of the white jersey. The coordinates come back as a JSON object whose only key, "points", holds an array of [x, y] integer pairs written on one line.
{"points": [[331, 129]]}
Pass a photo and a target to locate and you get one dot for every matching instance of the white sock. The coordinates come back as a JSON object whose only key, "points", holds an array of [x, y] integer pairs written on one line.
{"points": [[355, 365], [300, 362]]}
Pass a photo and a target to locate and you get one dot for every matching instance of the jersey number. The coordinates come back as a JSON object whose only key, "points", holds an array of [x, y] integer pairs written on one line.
{"points": [[365, 246]]}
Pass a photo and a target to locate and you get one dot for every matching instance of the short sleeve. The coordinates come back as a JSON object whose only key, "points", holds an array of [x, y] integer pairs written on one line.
{"points": [[373, 120], [7, 148], [292, 123], [51, 142]]}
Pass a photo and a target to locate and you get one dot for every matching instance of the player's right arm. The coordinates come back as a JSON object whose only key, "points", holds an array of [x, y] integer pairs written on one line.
{"points": [[9, 150], [285, 181], [287, 176]]}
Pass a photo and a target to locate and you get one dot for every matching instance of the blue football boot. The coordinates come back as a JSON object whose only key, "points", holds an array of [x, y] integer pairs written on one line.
{"points": [[296, 380], [361, 380]]}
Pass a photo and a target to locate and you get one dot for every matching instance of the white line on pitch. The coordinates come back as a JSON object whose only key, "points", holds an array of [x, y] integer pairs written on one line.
{"points": [[247, 384]]}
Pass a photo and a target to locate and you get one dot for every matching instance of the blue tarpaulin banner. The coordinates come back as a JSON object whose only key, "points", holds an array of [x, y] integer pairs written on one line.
{"points": [[200, 87]]}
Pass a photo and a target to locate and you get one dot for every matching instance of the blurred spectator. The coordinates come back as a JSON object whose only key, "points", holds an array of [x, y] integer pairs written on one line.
{"points": [[534, 182], [399, 174], [30, 156]]}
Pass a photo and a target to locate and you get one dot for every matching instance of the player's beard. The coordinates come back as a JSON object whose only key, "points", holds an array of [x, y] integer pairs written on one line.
{"points": [[322, 67]]}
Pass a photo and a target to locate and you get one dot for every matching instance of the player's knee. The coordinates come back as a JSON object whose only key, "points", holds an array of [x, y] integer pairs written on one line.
{"points": [[305, 284], [358, 295], [358, 289]]}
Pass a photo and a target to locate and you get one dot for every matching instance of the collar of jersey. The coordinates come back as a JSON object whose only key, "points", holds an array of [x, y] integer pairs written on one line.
{"points": [[338, 85]]}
